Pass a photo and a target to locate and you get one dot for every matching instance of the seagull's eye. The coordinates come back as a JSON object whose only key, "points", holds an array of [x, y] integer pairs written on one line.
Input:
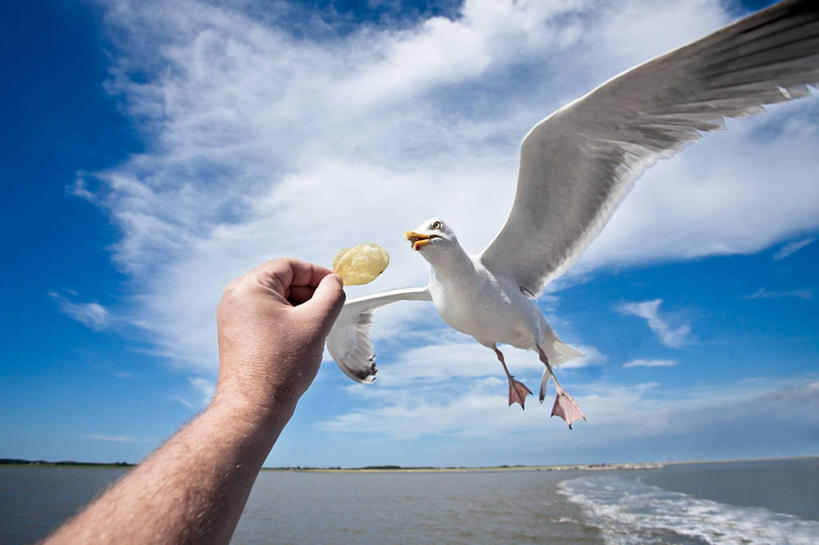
{"points": [[437, 225]]}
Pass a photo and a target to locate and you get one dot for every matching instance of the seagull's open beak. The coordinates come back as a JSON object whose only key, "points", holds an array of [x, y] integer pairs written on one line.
{"points": [[418, 240]]}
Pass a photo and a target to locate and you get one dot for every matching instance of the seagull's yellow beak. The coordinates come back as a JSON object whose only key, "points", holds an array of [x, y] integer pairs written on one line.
{"points": [[418, 240]]}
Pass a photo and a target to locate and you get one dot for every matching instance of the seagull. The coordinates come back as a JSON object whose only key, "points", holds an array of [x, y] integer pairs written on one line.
{"points": [[576, 166]]}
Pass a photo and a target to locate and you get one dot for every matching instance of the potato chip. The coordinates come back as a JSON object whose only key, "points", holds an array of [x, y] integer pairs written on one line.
{"points": [[360, 264]]}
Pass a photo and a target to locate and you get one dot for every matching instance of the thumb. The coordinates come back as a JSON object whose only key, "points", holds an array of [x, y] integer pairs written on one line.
{"points": [[327, 300]]}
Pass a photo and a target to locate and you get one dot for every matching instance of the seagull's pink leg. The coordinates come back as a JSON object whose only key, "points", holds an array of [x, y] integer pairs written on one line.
{"points": [[517, 390], [564, 407]]}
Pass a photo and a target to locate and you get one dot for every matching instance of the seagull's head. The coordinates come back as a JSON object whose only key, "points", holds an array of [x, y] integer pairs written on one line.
{"points": [[431, 236]]}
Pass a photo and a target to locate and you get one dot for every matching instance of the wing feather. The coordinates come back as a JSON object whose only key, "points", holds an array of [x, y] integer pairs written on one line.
{"points": [[349, 340], [578, 164]]}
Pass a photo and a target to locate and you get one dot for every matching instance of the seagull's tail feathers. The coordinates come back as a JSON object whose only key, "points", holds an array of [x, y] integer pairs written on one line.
{"points": [[556, 350], [562, 352]]}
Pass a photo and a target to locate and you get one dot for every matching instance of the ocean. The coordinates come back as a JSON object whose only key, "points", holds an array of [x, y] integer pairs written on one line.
{"points": [[749, 503]]}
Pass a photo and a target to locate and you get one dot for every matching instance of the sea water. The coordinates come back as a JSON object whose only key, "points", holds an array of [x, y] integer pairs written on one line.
{"points": [[758, 503], [765, 502]]}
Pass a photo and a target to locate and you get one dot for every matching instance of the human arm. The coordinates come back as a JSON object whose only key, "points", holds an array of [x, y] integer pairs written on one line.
{"points": [[272, 323]]}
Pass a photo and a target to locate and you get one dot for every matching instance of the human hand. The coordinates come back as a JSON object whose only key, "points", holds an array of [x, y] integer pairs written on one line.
{"points": [[272, 323]]}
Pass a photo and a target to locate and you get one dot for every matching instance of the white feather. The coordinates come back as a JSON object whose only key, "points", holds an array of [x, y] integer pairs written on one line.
{"points": [[349, 340]]}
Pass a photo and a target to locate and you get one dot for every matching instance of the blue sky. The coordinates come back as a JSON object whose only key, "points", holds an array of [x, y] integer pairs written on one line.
{"points": [[151, 155]]}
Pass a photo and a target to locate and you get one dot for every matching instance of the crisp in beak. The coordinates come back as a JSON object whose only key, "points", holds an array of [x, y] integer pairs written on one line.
{"points": [[419, 240]]}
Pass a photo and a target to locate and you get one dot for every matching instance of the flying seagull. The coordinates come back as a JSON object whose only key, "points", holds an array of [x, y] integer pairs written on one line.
{"points": [[576, 166]]}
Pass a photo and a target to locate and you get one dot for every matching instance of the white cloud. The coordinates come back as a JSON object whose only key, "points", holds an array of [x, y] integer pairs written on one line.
{"points": [[203, 388], [460, 407], [260, 144], [92, 315], [80, 189], [591, 357], [615, 413], [650, 311], [452, 361], [792, 247], [447, 355], [448, 383], [184, 401], [763, 293], [650, 363]]}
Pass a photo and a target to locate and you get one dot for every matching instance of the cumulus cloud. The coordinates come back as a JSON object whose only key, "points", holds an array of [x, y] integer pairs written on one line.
{"points": [[617, 415], [476, 408], [650, 363], [446, 355], [92, 315], [650, 311], [268, 136], [445, 383], [792, 247]]}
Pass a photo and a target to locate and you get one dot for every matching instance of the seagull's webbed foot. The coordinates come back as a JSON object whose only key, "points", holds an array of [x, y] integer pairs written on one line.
{"points": [[517, 392], [566, 408]]}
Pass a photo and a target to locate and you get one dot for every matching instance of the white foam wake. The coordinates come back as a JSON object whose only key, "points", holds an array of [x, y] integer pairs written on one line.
{"points": [[629, 512]]}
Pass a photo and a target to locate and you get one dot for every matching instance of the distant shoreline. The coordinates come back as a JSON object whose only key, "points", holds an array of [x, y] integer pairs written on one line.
{"points": [[61, 463], [422, 469], [365, 469]]}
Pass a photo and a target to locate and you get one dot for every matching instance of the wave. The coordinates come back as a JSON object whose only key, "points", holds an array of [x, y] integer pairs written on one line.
{"points": [[630, 512]]}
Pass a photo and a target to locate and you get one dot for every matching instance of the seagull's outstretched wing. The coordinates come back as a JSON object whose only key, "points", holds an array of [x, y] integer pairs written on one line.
{"points": [[577, 164], [349, 340]]}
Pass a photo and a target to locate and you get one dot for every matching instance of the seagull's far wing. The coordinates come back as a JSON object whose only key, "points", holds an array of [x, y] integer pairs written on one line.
{"points": [[349, 340], [577, 164]]}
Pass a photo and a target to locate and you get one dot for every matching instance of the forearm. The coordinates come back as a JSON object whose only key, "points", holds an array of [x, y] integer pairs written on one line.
{"points": [[191, 490], [272, 323]]}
